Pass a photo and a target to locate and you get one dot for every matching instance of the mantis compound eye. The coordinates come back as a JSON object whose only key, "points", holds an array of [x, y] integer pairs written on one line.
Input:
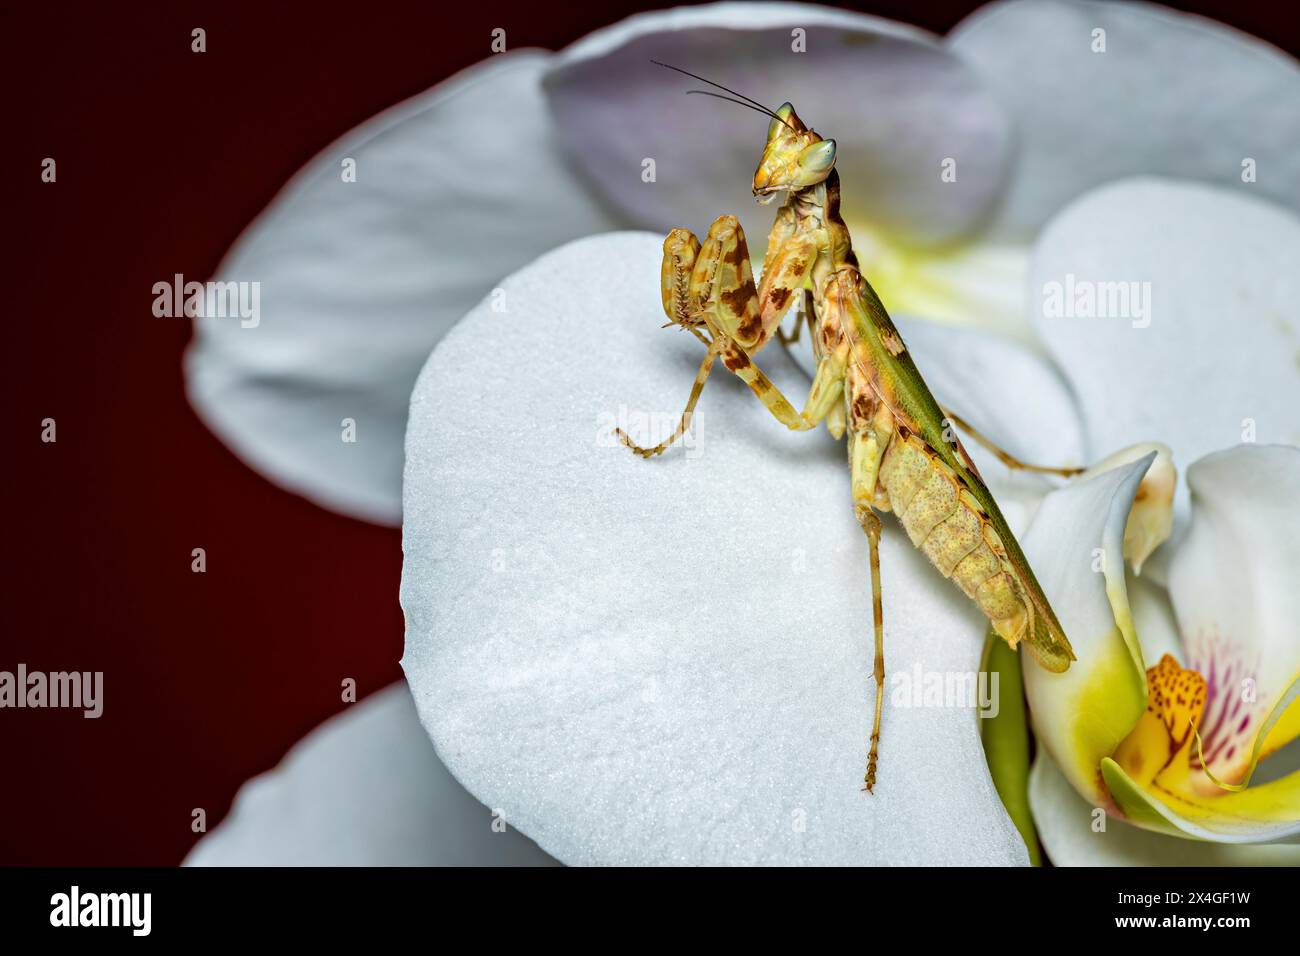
{"points": [[781, 120], [819, 157]]}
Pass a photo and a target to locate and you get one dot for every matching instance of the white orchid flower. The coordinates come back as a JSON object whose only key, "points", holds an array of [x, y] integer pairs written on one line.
{"points": [[1177, 695], [639, 663]]}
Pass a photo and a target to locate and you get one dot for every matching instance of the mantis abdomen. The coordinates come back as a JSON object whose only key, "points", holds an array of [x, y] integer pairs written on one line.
{"points": [[944, 520]]}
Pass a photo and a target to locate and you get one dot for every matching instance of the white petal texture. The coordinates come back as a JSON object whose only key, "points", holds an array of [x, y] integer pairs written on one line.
{"points": [[896, 103], [1068, 827], [669, 661], [1204, 355], [1170, 95], [454, 189], [363, 789]]}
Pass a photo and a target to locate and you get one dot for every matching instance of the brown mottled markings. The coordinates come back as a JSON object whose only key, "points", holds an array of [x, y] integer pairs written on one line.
{"points": [[736, 299], [797, 267], [780, 297], [735, 255], [749, 329], [735, 360], [862, 410]]}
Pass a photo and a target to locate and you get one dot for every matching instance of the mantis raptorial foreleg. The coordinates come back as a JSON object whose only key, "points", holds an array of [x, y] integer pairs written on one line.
{"points": [[732, 306], [710, 288], [1004, 456]]}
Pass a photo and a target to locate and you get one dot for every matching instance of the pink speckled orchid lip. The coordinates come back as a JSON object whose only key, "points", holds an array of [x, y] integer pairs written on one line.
{"points": [[1232, 717]]}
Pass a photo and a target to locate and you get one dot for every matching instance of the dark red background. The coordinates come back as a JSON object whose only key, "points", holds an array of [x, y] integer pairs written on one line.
{"points": [[163, 157]]}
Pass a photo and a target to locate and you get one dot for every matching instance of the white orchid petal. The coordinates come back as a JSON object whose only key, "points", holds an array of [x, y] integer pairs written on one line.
{"points": [[454, 189], [669, 661], [1006, 391], [1233, 586], [363, 789], [1212, 358], [1154, 622], [1170, 95], [897, 104], [1075, 546], [1152, 519], [1075, 834]]}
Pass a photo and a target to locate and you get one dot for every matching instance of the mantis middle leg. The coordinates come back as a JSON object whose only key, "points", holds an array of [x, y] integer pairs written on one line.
{"points": [[701, 376]]}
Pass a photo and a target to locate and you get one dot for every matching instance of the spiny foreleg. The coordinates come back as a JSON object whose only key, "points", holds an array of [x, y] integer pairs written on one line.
{"points": [[749, 317], [709, 291]]}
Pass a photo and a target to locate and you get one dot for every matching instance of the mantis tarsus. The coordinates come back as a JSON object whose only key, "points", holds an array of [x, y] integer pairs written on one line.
{"points": [[903, 454]]}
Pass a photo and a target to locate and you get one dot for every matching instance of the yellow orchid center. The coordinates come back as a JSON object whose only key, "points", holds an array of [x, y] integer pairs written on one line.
{"points": [[904, 278], [1163, 739], [959, 282]]}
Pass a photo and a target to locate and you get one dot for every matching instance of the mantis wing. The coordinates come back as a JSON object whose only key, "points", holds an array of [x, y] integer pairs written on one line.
{"points": [[879, 352]]}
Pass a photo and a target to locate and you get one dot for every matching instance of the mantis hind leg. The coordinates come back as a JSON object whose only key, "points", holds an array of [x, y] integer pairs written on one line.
{"points": [[871, 525], [872, 431], [1004, 456]]}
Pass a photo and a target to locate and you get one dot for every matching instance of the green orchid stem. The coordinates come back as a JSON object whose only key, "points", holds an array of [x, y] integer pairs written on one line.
{"points": [[1006, 741]]}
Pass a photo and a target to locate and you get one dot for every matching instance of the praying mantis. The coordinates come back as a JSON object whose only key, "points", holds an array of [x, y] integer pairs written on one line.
{"points": [[903, 454]]}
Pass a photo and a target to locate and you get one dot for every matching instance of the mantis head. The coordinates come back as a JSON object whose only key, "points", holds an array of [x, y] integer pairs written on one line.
{"points": [[795, 157]]}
